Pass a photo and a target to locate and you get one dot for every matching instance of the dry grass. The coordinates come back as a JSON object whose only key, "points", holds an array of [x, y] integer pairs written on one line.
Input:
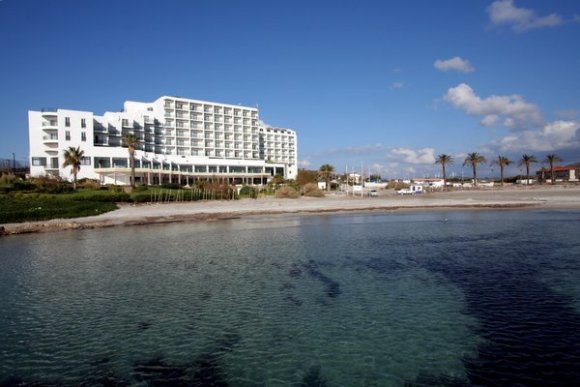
{"points": [[287, 193], [312, 190]]}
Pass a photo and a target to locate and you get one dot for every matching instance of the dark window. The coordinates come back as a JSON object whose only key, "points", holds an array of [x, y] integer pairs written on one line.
{"points": [[83, 123], [67, 135], [86, 161], [39, 161], [83, 136], [67, 122]]}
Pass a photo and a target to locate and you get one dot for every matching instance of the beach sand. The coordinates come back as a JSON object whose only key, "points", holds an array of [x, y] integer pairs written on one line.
{"points": [[507, 198]]}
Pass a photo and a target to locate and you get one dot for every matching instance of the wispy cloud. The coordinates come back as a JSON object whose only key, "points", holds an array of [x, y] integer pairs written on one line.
{"points": [[358, 150], [454, 64], [304, 163], [517, 113], [568, 113], [505, 12], [397, 85], [411, 156]]}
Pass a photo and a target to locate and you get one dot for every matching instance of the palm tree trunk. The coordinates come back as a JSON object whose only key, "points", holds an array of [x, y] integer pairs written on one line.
{"points": [[501, 174], [474, 175], [74, 180], [132, 161], [527, 174], [444, 179], [552, 172]]}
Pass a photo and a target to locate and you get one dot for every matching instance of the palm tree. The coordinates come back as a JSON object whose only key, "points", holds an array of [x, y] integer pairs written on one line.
{"points": [[131, 142], [73, 157], [503, 162], [527, 160], [444, 160], [552, 159], [326, 171], [474, 159]]}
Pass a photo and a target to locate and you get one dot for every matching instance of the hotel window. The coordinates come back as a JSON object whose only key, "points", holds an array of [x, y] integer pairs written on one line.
{"points": [[86, 161], [83, 136], [67, 135], [39, 161], [83, 123], [67, 122]]}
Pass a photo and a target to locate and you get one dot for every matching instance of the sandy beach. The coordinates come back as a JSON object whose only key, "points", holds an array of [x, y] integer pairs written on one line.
{"points": [[387, 201]]}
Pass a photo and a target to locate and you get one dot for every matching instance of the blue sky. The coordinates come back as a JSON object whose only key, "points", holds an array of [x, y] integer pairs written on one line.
{"points": [[386, 84]]}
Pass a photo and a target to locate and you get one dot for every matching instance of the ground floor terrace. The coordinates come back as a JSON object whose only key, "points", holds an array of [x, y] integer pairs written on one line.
{"points": [[149, 176]]}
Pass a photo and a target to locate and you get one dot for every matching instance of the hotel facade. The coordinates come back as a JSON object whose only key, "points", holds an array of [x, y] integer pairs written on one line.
{"points": [[180, 141]]}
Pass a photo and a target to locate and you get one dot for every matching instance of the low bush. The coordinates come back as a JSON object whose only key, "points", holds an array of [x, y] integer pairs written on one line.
{"points": [[8, 179], [89, 184], [287, 193], [50, 184], [248, 192], [312, 190]]}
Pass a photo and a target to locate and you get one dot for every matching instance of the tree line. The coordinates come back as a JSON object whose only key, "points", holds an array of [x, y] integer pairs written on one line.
{"points": [[474, 159]]}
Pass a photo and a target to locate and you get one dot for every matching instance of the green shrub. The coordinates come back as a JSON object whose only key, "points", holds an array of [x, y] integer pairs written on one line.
{"points": [[172, 186], [312, 190], [99, 196], [140, 188], [287, 193], [8, 179], [89, 184], [142, 196], [51, 184], [248, 192]]}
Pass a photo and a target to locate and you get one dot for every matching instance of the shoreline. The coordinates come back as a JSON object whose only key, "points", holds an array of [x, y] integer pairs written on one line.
{"points": [[182, 212]]}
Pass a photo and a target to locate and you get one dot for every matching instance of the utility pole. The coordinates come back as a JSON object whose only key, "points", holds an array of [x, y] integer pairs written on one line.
{"points": [[13, 163]]}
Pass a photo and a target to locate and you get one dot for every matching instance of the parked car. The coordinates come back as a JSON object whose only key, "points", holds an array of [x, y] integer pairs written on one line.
{"points": [[373, 193]]}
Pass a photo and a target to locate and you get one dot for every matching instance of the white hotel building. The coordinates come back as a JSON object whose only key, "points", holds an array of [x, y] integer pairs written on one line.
{"points": [[181, 141]]}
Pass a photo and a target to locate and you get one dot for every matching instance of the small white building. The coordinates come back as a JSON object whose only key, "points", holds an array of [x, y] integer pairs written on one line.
{"points": [[429, 182]]}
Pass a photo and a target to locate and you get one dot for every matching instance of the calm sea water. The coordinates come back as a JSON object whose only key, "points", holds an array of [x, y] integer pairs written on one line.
{"points": [[442, 298]]}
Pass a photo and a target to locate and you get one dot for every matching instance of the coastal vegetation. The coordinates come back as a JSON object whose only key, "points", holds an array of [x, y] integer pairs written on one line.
{"points": [[53, 197], [131, 142], [326, 171], [551, 159], [474, 159], [444, 160], [527, 160], [72, 158], [502, 162]]}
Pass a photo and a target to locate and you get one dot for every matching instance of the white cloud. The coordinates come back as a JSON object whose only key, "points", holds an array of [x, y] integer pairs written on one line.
{"points": [[517, 113], [397, 85], [489, 120], [455, 63], [304, 163], [520, 19], [553, 136], [410, 156]]}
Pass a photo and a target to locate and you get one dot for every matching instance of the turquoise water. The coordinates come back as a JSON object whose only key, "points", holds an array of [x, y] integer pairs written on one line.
{"points": [[442, 298]]}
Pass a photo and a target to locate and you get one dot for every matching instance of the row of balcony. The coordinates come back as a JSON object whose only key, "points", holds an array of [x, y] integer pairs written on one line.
{"points": [[195, 107]]}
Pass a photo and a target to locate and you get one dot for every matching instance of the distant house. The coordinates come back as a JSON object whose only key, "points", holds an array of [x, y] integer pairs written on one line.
{"points": [[429, 182], [561, 173]]}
